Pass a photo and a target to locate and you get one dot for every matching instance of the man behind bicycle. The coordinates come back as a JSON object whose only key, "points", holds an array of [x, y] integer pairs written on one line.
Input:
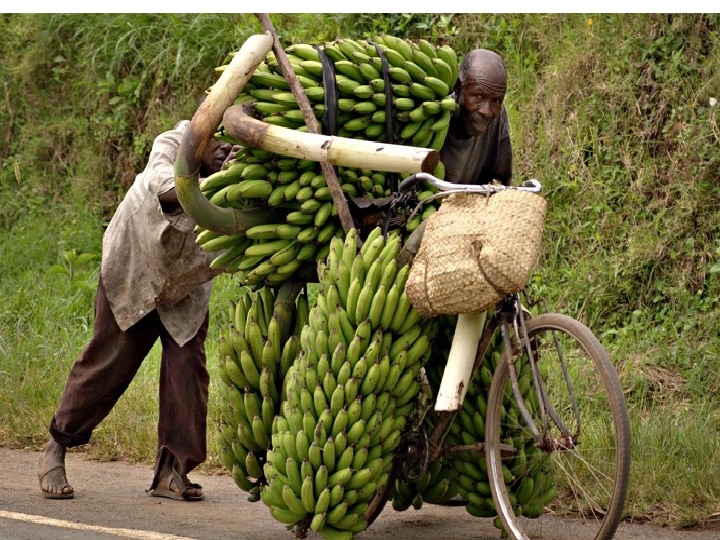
{"points": [[477, 149]]}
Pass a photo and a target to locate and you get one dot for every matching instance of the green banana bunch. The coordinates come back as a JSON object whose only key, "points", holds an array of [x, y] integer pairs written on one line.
{"points": [[469, 469], [349, 391], [435, 486], [420, 95], [269, 254], [253, 364], [348, 382], [423, 76], [437, 482]]}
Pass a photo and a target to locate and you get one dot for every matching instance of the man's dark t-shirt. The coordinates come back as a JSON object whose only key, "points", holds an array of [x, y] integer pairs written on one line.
{"points": [[482, 159]]}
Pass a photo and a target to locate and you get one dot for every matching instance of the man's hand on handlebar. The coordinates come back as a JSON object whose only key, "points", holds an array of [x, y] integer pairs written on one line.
{"points": [[231, 156]]}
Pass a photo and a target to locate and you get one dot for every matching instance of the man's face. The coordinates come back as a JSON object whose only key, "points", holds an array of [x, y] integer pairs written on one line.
{"points": [[214, 156], [479, 106]]}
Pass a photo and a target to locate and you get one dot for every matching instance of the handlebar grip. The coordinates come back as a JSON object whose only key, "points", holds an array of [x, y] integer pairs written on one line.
{"points": [[532, 184]]}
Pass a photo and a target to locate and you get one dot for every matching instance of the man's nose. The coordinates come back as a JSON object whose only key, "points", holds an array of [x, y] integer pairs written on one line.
{"points": [[484, 107]]}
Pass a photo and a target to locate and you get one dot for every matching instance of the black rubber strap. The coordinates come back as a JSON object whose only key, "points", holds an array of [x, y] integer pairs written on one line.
{"points": [[330, 115], [389, 116]]}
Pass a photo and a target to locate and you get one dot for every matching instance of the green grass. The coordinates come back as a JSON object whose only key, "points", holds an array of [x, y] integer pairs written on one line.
{"points": [[676, 461], [611, 112]]}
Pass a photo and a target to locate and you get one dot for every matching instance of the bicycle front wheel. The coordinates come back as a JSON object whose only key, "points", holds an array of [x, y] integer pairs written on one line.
{"points": [[574, 484]]}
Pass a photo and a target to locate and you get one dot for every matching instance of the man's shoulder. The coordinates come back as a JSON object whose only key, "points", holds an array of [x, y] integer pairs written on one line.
{"points": [[181, 125], [172, 137], [177, 129]]}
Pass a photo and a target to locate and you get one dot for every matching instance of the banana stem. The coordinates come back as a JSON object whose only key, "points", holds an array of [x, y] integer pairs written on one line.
{"points": [[343, 151], [202, 128], [313, 126], [458, 370], [284, 308]]}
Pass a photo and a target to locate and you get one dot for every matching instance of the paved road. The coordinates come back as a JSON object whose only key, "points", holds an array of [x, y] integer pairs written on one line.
{"points": [[110, 503]]}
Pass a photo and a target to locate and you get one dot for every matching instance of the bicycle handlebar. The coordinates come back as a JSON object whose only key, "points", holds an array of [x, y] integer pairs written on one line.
{"points": [[447, 188], [532, 185]]}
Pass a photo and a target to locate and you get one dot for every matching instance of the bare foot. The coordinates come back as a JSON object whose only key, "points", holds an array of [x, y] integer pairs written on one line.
{"points": [[51, 473]]}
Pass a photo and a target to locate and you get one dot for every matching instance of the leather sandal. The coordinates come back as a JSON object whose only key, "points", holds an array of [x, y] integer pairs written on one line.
{"points": [[55, 495], [178, 488]]}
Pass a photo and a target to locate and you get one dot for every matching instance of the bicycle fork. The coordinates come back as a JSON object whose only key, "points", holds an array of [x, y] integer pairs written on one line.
{"points": [[470, 344], [513, 343]]}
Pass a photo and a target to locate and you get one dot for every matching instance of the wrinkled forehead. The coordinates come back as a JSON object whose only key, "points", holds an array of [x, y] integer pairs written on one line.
{"points": [[484, 68]]}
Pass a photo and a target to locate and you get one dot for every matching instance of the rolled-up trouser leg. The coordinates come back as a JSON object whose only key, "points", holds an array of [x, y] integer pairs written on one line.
{"points": [[184, 384], [102, 372]]}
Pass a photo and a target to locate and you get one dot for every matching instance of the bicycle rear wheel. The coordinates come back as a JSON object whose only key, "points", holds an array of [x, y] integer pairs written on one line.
{"points": [[574, 488]]}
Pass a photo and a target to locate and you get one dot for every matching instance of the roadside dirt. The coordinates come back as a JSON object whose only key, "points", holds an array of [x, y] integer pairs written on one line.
{"points": [[110, 501]]}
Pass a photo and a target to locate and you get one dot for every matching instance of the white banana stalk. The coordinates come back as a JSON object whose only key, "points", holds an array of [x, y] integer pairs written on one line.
{"points": [[456, 377], [340, 151]]}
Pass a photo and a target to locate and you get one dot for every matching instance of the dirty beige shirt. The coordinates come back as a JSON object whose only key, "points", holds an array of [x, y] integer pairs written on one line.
{"points": [[150, 259]]}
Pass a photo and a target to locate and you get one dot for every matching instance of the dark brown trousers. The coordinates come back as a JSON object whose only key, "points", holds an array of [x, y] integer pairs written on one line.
{"points": [[108, 364]]}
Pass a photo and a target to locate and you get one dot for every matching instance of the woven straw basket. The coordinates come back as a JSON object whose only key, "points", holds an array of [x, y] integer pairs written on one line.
{"points": [[475, 250]]}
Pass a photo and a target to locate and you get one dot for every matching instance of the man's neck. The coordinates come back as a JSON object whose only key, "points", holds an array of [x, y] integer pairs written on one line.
{"points": [[457, 130]]}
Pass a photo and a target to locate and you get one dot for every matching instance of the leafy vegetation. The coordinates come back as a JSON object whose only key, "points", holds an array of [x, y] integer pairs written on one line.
{"points": [[616, 114]]}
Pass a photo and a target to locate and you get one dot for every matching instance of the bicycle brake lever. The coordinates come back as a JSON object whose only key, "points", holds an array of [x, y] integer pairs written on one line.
{"points": [[408, 183]]}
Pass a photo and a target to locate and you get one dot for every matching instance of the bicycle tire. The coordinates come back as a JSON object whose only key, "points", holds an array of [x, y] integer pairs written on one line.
{"points": [[588, 483], [377, 503]]}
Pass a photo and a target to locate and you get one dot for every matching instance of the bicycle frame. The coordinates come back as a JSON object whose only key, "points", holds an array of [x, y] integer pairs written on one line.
{"points": [[470, 340], [508, 318]]}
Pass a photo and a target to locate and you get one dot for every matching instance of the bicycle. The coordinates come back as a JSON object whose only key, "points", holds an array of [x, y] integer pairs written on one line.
{"points": [[573, 420], [536, 422]]}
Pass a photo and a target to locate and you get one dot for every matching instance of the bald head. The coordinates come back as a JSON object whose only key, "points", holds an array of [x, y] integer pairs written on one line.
{"points": [[485, 68]]}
